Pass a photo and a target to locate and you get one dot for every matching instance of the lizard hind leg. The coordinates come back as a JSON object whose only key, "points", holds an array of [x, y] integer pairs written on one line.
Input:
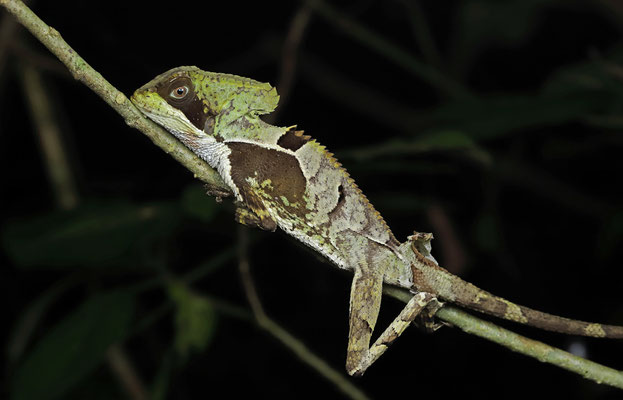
{"points": [[366, 293], [426, 321]]}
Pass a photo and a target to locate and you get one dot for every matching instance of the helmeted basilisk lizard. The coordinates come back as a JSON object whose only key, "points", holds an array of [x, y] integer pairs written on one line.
{"points": [[282, 178]]}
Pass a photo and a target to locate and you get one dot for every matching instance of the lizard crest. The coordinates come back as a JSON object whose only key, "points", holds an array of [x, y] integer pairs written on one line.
{"points": [[206, 100]]}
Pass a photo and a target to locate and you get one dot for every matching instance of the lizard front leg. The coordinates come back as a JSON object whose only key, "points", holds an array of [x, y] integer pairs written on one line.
{"points": [[218, 193], [246, 216]]}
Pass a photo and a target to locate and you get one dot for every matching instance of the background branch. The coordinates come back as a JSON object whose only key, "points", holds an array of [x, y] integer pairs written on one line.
{"points": [[292, 343], [50, 138]]}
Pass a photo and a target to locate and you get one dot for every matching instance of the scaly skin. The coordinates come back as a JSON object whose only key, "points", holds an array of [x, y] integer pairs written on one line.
{"points": [[282, 178]]}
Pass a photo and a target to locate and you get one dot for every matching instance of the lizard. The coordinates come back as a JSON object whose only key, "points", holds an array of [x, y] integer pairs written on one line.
{"points": [[282, 178]]}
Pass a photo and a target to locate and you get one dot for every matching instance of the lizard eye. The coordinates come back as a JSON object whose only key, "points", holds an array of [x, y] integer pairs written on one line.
{"points": [[179, 92]]}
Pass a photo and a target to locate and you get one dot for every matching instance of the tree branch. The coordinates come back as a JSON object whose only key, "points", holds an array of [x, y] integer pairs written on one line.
{"points": [[521, 344], [118, 101]]}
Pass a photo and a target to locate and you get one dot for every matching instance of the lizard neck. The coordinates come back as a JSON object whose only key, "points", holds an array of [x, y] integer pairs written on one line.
{"points": [[250, 129], [216, 148]]}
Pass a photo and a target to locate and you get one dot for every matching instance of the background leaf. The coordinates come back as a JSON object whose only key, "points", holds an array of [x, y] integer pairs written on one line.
{"points": [[195, 320], [197, 204], [98, 233], [74, 347]]}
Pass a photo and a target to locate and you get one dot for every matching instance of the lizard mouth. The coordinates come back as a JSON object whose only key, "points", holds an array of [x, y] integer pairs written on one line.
{"points": [[151, 104]]}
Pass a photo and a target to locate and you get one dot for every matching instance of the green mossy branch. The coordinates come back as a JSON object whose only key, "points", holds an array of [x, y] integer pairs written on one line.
{"points": [[118, 101]]}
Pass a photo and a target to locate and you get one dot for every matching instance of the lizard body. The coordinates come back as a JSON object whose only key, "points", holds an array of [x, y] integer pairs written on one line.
{"points": [[283, 179]]}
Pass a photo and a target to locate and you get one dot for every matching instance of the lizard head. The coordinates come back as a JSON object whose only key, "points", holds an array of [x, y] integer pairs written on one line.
{"points": [[194, 104]]}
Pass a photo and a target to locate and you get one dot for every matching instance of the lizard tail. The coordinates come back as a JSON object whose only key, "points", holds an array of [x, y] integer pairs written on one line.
{"points": [[480, 300], [430, 277]]}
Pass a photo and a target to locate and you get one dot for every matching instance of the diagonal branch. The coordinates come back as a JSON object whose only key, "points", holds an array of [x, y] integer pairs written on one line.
{"points": [[118, 101], [83, 72]]}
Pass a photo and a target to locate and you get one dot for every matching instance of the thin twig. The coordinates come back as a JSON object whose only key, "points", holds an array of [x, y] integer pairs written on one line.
{"points": [[126, 374], [44, 63], [451, 248], [30, 317], [294, 345], [120, 103], [49, 134], [8, 31], [339, 379], [353, 95], [289, 56], [245, 275], [389, 50], [291, 342], [259, 317], [422, 33]]}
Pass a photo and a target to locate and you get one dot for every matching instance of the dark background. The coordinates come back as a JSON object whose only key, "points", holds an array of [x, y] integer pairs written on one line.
{"points": [[516, 169]]}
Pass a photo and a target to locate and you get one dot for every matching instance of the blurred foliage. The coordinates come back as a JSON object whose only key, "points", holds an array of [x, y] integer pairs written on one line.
{"points": [[485, 23], [195, 204], [506, 116], [195, 320], [74, 347], [95, 234]]}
